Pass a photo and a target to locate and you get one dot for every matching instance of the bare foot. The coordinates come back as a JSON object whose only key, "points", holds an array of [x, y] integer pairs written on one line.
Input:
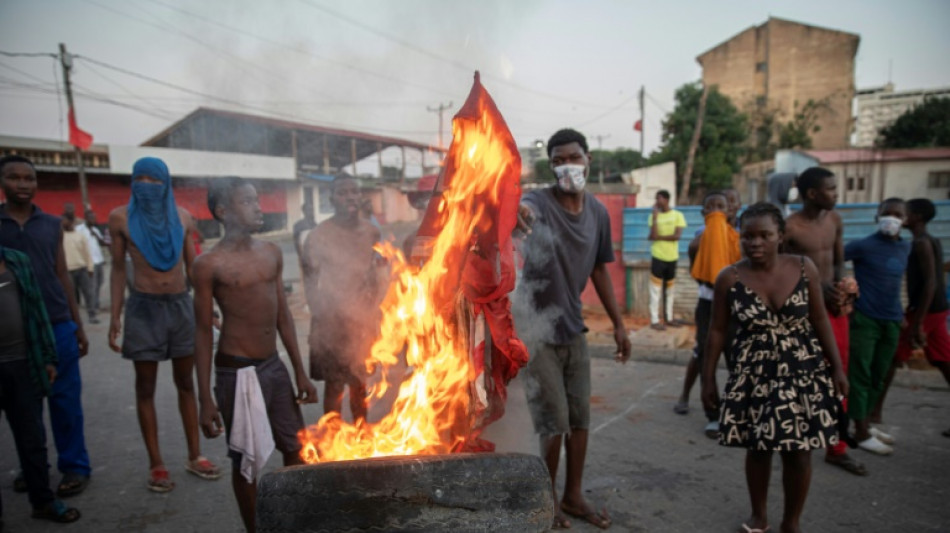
{"points": [[584, 511]]}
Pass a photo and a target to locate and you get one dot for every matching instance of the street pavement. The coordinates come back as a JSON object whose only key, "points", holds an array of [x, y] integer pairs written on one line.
{"points": [[652, 469]]}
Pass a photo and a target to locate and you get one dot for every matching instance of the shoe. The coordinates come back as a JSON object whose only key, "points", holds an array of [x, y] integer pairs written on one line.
{"points": [[712, 429], [886, 438], [871, 444], [681, 408], [72, 484]]}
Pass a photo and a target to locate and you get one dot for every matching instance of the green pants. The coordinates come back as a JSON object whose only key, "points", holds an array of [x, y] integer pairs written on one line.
{"points": [[873, 345]]}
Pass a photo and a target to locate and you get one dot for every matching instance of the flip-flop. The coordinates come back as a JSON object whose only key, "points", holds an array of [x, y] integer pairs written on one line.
{"points": [[203, 468], [159, 480], [681, 408], [598, 519], [72, 484], [847, 463], [747, 529], [56, 511]]}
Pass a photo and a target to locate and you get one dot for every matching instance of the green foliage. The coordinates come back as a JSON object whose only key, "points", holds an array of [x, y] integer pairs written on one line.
{"points": [[722, 140], [613, 162], [769, 133], [926, 125], [542, 171]]}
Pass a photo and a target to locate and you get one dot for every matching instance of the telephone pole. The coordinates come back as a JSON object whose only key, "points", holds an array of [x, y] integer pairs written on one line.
{"points": [[66, 60], [439, 110], [600, 156], [642, 122]]}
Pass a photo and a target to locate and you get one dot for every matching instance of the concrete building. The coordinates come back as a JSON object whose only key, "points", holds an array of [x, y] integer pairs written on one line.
{"points": [[879, 107], [782, 64]]}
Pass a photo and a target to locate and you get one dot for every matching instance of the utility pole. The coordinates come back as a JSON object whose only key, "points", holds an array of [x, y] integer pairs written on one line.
{"points": [[66, 61], [600, 156], [439, 110], [691, 157], [642, 123]]}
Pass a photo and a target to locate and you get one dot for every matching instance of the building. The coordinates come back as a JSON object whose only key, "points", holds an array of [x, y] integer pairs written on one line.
{"points": [[781, 65], [879, 107], [871, 175]]}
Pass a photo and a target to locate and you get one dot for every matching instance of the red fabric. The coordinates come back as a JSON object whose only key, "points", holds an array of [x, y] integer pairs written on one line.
{"points": [[840, 326], [77, 137], [638, 125], [937, 348]]}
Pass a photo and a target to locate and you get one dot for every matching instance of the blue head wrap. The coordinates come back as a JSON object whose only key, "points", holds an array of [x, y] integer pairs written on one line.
{"points": [[154, 225]]}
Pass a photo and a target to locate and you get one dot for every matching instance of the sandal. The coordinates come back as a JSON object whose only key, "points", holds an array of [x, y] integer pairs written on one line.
{"points": [[159, 481], [747, 529], [681, 408], [72, 484], [56, 511], [847, 463], [203, 468], [598, 519]]}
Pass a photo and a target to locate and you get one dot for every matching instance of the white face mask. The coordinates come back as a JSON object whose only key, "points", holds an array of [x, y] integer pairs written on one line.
{"points": [[792, 195], [889, 226], [570, 178]]}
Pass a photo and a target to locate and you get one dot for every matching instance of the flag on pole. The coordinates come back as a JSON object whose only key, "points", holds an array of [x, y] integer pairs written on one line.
{"points": [[638, 125], [77, 137]]}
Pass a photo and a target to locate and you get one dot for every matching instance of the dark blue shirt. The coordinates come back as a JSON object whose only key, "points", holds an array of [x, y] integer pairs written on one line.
{"points": [[38, 238], [879, 265]]}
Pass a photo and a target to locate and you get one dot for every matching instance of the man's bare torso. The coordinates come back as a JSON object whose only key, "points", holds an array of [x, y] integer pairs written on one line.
{"points": [[344, 261], [145, 278], [816, 239]]}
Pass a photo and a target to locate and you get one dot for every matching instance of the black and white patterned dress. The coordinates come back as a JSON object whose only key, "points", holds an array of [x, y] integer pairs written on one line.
{"points": [[780, 395]]}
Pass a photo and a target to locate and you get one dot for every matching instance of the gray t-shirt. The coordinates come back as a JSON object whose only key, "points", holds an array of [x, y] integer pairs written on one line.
{"points": [[560, 255]]}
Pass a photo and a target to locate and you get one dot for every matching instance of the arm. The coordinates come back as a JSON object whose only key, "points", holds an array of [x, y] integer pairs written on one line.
{"points": [[839, 247], [652, 223], [716, 338], [208, 417], [311, 274], [306, 393], [925, 258], [605, 291], [86, 256], [819, 320], [188, 253], [63, 274], [674, 237], [693, 250], [116, 279]]}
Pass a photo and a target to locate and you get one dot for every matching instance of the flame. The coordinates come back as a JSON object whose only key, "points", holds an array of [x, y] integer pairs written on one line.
{"points": [[424, 314]]}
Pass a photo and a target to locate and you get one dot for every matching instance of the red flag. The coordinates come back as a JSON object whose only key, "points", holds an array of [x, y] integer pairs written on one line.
{"points": [[638, 125], [77, 137]]}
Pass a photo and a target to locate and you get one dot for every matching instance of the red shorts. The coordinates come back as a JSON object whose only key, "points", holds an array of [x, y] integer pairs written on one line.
{"points": [[938, 340], [841, 327]]}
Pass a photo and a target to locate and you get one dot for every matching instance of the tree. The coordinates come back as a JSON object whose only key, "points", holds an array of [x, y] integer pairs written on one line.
{"points": [[722, 140], [614, 162], [925, 125], [768, 133]]}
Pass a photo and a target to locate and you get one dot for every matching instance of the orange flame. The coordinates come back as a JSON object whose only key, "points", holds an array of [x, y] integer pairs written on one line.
{"points": [[423, 314]]}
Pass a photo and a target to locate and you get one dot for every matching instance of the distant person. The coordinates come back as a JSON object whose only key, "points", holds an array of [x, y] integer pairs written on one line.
{"points": [[344, 283], [567, 242], [27, 371], [255, 311], [781, 392], [712, 250], [816, 231], [97, 241], [879, 264], [735, 204], [79, 264], [159, 314], [26, 228], [366, 211], [666, 228], [301, 228]]}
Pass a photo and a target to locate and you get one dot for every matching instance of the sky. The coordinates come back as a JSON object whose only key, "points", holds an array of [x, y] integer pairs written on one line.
{"points": [[377, 66]]}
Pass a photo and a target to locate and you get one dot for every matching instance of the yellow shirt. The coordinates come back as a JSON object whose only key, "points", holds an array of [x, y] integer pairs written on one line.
{"points": [[666, 224]]}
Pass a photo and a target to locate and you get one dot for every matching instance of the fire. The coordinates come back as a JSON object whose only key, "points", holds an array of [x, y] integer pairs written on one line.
{"points": [[427, 311]]}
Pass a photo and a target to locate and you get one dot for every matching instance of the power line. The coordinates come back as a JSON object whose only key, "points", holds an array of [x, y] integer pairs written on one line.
{"points": [[27, 54], [609, 111]]}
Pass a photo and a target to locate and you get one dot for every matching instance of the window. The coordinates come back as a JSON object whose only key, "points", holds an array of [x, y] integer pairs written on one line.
{"points": [[760, 101], [860, 184], [939, 179], [761, 66], [850, 184]]}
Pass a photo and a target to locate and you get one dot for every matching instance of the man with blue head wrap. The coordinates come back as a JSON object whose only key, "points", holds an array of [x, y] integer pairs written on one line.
{"points": [[159, 315]]}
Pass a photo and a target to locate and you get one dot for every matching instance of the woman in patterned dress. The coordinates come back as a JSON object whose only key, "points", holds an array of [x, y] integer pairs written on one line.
{"points": [[780, 395]]}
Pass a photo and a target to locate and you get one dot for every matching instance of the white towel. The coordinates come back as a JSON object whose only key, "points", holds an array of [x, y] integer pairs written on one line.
{"points": [[250, 429]]}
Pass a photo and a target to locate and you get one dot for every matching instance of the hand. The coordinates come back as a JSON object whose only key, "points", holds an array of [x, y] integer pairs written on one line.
{"points": [[210, 419], [834, 297], [525, 219], [115, 327], [51, 373], [91, 274], [918, 338], [82, 341], [841, 383], [710, 395], [306, 392], [623, 345]]}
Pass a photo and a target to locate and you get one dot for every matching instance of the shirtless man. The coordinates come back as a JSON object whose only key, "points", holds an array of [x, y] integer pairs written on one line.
{"points": [[816, 232], [344, 281], [159, 317], [244, 276]]}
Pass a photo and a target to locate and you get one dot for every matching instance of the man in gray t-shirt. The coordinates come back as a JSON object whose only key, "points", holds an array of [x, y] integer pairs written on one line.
{"points": [[567, 242]]}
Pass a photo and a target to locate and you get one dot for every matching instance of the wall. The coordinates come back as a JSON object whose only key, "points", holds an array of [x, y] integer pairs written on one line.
{"points": [[650, 180], [615, 204], [903, 179]]}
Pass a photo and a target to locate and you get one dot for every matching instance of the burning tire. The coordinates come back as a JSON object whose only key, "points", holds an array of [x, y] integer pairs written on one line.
{"points": [[463, 492]]}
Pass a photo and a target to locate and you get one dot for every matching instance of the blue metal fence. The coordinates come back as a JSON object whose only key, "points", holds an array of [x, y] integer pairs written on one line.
{"points": [[858, 223]]}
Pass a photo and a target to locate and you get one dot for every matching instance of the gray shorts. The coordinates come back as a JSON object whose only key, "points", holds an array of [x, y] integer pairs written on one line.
{"points": [[558, 387], [283, 413], [158, 327]]}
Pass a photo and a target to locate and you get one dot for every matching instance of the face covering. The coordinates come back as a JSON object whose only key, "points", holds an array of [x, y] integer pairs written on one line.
{"points": [[570, 178], [154, 225], [889, 226]]}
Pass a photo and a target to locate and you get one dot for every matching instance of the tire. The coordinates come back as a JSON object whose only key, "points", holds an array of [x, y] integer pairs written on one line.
{"points": [[457, 493]]}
